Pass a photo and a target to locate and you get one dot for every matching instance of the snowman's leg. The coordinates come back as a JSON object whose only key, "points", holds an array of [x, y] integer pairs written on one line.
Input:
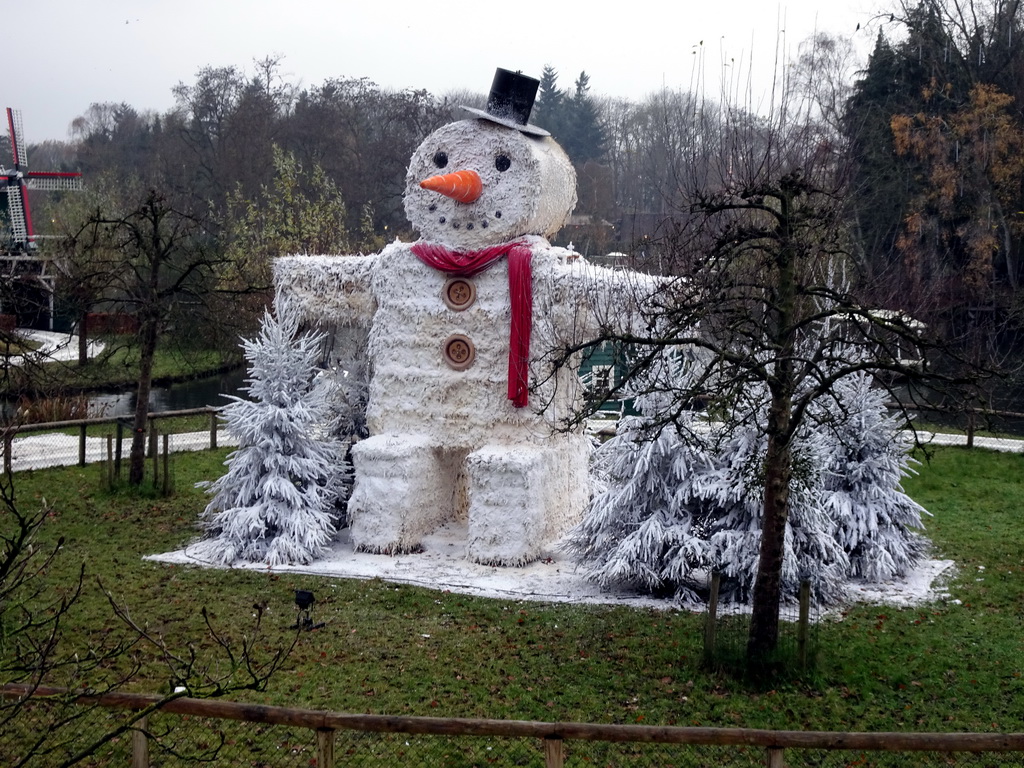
{"points": [[513, 493], [401, 492]]}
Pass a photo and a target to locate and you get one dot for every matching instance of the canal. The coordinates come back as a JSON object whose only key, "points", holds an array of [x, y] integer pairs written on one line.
{"points": [[196, 393]]}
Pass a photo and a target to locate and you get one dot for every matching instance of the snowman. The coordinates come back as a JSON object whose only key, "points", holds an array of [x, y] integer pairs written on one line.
{"points": [[455, 334]]}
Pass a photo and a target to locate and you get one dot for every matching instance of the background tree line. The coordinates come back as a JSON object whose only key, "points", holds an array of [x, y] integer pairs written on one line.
{"points": [[930, 132]]}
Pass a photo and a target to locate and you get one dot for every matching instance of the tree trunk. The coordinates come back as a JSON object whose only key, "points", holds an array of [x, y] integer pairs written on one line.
{"points": [[764, 619], [137, 457], [83, 339], [778, 461]]}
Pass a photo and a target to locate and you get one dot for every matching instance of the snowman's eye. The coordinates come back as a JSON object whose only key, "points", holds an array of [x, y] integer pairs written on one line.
{"points": [[502, 162], [441, 159]]}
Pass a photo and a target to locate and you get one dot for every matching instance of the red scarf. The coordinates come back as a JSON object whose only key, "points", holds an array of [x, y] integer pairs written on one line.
{"points": [[520, 288]]}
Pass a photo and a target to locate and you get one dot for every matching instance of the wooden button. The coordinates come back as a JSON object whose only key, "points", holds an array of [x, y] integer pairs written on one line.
{"points": [[458, 352], [458, 294]]}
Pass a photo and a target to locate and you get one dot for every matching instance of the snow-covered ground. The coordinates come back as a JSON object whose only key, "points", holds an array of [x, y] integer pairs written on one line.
{"points": [[1002, 444], [441, 565], [52, 449], [53, 346]]}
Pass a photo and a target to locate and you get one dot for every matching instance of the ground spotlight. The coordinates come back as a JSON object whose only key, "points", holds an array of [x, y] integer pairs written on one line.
{"points": [[304, 600]]}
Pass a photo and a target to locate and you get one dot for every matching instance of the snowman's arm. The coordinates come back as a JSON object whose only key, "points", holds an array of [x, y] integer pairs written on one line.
{"points": [[591, 301], [328, 290]]}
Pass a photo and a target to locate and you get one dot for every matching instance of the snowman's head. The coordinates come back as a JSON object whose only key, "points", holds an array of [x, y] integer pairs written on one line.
{"points": [[476, 183]]}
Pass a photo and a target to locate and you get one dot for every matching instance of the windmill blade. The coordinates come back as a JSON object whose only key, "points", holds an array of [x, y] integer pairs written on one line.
{"points": [[52, 182], [17, 134], [30, 234], [20, 222]]}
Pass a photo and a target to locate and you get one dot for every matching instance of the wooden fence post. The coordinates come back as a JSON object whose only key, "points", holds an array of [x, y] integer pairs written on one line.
{"points": [[110, 461], [213, 430], [554, 753], [325, 748], [140, 744], [154, 451], [804, 625], [776, 758], [118, 449], [81, 445], [152, 437], [8, 447], [712, 620], [167, 469]]}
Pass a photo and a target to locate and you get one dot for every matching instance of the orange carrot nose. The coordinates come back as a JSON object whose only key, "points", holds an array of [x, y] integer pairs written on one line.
{"points": [[464, 186]]}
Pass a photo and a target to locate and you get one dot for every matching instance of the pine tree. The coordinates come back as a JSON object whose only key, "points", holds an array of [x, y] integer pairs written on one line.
{"points": [[681, 497], [279, 500], [736, 485], [638, 532], [642, 529], [876, 523], [585, 136], [549, 110], [881, 187]]}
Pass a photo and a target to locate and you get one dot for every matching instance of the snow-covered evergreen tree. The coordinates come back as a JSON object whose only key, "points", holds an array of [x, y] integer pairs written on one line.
{"points": [[279, 500], [683, 497], [876, 523], [735, 486], [641, 529]]}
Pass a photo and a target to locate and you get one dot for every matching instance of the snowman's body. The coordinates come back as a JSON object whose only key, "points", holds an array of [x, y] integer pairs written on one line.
{"points": [[446, 442]]}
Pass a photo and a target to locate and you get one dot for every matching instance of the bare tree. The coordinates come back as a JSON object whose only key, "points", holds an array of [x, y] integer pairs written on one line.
{"points": [[363, 135], [765, 295], [37, 658], [823, 75], [155, 262]]}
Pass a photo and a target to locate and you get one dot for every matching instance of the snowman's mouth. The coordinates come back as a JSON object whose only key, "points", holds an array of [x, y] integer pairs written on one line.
{"points": [[459, 224]]}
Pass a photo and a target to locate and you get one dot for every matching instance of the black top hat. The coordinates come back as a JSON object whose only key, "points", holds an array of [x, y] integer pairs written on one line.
{"points": [[510, 102]]}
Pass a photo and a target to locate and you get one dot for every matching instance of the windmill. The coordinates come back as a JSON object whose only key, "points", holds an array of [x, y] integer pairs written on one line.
{"points": [[16, 182], [28, 296]]}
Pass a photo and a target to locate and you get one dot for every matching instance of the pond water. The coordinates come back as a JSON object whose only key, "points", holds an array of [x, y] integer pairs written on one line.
{"points": [[175, 397]]}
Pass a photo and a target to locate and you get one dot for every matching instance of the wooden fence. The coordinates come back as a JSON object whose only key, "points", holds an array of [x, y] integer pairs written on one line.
{"points": [[120, 423], [552, 736], [974, 418]]}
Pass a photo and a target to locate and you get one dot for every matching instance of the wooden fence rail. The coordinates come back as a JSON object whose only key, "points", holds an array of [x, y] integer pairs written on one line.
{"points": [[552, 735], [973, 416], [10, 431], [49, 426]]}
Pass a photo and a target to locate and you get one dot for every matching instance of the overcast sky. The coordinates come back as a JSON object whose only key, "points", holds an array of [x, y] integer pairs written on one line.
{"points": [[63, 55]]}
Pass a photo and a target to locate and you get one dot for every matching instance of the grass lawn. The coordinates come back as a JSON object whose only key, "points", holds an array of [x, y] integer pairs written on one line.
{"points": [[13, 344], [386, 649]]}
